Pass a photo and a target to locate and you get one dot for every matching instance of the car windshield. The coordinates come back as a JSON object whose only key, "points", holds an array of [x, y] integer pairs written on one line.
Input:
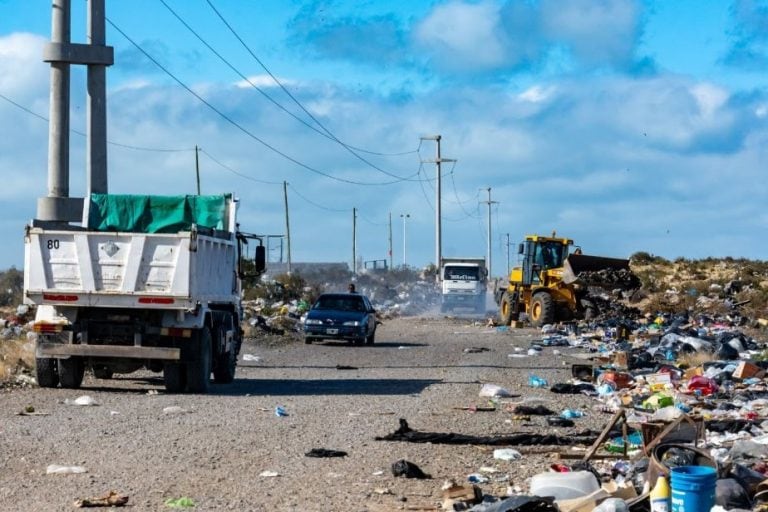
{"points": [[340, 303], [458, 273]]}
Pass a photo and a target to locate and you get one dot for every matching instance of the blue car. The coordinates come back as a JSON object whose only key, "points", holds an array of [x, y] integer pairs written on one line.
{"points": [[341, 316]]}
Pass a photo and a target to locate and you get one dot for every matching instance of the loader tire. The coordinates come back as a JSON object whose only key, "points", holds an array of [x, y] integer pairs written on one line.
{"points": [[71, 372], [199, 370], [47, 372], [506, 308], [542, 309]]}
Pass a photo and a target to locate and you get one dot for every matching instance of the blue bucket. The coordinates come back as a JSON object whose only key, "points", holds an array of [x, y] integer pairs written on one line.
{"points": [[693, 488]]}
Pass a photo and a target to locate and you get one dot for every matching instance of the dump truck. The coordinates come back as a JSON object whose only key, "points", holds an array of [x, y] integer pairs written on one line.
{"points": [[145, 282], [463, 284], [552, 284]]}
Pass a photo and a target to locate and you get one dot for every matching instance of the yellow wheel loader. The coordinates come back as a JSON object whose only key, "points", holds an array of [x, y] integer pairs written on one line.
{"points": [[552, 284]]}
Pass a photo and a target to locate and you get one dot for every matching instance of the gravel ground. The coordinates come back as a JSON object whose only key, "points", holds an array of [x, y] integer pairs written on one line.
{"points": [[215, 450]]}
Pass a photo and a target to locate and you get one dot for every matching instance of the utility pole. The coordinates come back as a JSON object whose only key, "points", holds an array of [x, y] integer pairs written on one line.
{"points": [[287, 226], [507, 253], [404, 216], [197, 168], [390, 241], [489, 203], [438, 201], [354, 241]]}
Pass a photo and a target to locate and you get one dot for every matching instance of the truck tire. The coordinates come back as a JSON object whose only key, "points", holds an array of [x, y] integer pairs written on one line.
{"points": [[371, 339], [71, 372], [47, 372], [102, 372], [506, 307], [226, 362], [175, 377], [199, 370], [542, 309]]}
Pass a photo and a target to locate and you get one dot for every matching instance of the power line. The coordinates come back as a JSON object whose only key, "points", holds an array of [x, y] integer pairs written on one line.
{"points": [[239, 126], [300, 105], [316, 204], [327, 133], [127, 146], [233, 171]]}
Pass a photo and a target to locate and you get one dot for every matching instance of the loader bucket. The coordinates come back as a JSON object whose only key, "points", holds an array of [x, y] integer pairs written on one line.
{"points": [[598, 271]]}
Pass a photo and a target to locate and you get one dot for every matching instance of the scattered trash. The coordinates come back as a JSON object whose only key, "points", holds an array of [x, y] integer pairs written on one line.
{"points": [[84, 400], [269, 474], [476, 350], [56, 469], [174, 409], [477, 478], [280, 411], [537, 382], [322, 452], [344, 367], [507, 454], [183, 502], [492, 390], [408, 470], [112, 499], [251, 358]]}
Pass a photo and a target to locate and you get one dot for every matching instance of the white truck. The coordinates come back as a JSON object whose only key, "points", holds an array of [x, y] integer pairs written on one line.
{"points": [[463, 284], [147, 282]]}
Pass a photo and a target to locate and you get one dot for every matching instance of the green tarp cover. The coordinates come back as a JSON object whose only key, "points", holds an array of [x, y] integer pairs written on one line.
{"points": [[156, 214]]}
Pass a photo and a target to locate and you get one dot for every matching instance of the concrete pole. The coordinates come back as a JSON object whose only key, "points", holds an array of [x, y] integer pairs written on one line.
{"points": [[354, 241], [404, 216], [390, 241], [438, 213], [96, 166], [287, 226], [58, 127]]}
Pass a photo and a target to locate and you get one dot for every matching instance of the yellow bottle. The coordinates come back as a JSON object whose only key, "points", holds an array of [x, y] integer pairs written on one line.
{"points": [[660, 496]]}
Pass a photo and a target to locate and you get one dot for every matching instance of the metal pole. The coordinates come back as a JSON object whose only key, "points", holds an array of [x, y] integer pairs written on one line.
{"points": [[390, 241], [489, 203], [287, 226], [354, 241]]}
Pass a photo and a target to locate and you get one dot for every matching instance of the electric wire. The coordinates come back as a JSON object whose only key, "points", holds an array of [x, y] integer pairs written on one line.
{"points": [[239, 126], [329, 135], [317, 205], [238, 173], [77, 132]]}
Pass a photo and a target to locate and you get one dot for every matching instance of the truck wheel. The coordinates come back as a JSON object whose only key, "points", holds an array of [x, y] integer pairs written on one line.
{"points": [[71, 372], [224, 370], [542, 309], [47, 372], [505, 309], [199, 370], [175, 377], [102, 372]]}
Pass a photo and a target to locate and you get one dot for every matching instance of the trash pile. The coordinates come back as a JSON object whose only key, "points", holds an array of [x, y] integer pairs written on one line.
{"points": [[688, 396]]}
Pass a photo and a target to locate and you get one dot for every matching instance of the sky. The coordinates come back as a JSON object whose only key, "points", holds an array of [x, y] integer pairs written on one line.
{"points": [[627, 125]]}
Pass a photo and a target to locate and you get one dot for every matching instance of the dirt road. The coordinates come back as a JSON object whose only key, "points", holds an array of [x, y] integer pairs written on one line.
{"points": [[217, 449]]}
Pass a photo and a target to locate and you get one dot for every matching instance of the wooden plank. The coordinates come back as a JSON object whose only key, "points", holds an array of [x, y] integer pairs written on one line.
{"points": [[601, 438]]}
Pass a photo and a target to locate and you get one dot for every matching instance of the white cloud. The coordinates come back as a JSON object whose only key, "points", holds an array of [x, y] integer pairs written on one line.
{"points": [[262, 81], [537, 93], [463, 35]]}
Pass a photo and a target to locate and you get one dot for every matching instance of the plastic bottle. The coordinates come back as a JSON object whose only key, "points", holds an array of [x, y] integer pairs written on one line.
{"points": [[660, 496]]}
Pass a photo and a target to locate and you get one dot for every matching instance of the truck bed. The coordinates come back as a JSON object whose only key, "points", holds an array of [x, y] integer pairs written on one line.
{"points": [[134, 270]]}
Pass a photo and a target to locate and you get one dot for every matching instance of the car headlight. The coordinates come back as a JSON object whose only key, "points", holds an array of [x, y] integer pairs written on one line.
{"points": [[312, 321], [352, 323]]}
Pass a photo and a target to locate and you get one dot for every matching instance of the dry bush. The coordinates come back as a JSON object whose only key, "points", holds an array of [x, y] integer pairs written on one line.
{"points": [[15, 354]]}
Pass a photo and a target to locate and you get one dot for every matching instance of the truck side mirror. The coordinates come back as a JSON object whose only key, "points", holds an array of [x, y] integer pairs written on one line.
{"points": [[520, 249], [260, 259]]}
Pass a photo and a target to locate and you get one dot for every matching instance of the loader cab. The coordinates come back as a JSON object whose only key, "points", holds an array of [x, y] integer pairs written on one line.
{"points": [[540, 254]]}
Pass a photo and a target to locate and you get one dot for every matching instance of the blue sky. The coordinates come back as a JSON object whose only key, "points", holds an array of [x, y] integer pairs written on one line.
{"points": [[626, 125]]}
